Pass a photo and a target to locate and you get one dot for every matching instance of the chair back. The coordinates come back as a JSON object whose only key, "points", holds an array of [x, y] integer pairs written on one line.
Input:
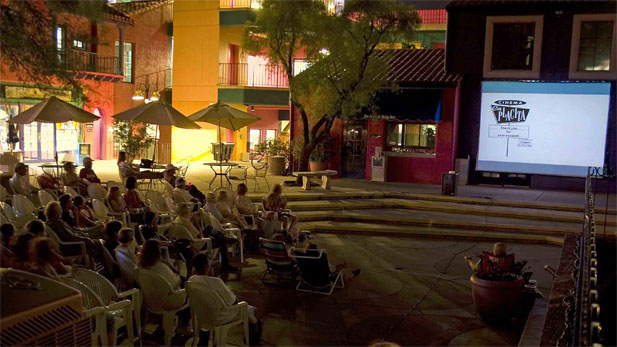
{"points": [[70, 191], [180, 232], [260, 167], [8, 211], [99, 284], [100, 210], [169, 203], [231, 195], [127, 268], [157, 292], [156, 198], [214, 222], [23, 206], [52, 234], [275, 254], [179, 199], [116, 184], [314, 267], [183, 169], [168, 188], [45, 197], [91, 300], [204, 304], [97, 191]]}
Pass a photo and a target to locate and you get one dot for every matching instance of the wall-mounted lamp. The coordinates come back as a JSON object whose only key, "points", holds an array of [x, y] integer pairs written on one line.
{"points": [[252, 108]]}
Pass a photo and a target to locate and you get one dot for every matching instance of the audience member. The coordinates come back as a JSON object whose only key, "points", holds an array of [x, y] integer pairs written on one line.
{"points": [[110, 236], [306, 247], [181, 191], [22, 252], [150, 228], [87, 173], [127, 244], [68, 213], [126, 170], [115, 201], [150, 258], [223, 206], [169, 174], [21, 185], [8, 231], [84, 215], [70, 178], [36, 228], [131, 197], [6, 254], [211, 208], [274, 202], [46, 260], [49, 182], [498, 260]]}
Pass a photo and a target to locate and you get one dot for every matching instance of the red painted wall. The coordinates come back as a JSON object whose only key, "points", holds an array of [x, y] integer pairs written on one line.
{"points": [[269, 119], [429, 170]]}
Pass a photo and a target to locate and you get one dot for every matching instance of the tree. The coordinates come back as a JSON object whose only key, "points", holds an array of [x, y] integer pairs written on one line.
{"points": [[27, 42], [346, 69], [133, 137]]}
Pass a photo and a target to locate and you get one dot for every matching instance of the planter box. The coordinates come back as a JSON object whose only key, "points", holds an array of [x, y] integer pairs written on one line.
{"points": [[496, 300], [318, 166]]}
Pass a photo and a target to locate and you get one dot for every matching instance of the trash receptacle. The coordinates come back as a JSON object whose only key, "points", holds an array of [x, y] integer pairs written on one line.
{"points": [[448, 183]]}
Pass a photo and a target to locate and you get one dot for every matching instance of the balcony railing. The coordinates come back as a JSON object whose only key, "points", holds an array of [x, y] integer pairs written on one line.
{"points": [[245, 75], [82, 61], [240, 3]]}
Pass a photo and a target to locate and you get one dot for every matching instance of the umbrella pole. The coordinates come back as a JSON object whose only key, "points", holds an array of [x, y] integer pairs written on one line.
{"points": [[155, 142], [220, 155]]}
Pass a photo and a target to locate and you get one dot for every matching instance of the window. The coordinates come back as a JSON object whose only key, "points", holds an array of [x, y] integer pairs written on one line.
{"points": [[78, 44], [513, 46], [254, 138], [128, 60], [300, 65], [270, 134], [60, 42], [421, 136], [593, 47]]}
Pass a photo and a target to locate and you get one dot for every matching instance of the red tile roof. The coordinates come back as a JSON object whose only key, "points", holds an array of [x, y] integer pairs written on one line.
{"points": [[114, 15], [136, 7], [419, 66], [433, 16]]}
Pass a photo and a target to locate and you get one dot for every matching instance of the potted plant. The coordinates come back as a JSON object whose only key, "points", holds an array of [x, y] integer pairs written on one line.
{"points": [[320, 156], [496, 293], [275, 152]]}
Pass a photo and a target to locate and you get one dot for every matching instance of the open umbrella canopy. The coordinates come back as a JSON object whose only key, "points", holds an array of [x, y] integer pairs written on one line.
{"points": [[53, 110], [224, 116], [159, 113]]}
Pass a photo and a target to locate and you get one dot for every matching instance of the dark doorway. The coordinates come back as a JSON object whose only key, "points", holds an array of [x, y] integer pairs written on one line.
{"points": [[354, 149]]}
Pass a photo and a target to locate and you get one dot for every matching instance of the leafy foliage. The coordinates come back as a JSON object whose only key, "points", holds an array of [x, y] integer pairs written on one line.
{"points": [[133, 137], [27, 38], [273, 147], [346, 70]]}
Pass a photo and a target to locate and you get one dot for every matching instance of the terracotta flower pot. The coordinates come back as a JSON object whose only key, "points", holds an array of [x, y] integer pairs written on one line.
{"points": [[318, 165], [496, 300], [276, 165]]}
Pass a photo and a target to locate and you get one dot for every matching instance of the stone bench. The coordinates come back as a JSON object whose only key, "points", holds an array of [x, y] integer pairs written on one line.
{"points": [[325, 178]]}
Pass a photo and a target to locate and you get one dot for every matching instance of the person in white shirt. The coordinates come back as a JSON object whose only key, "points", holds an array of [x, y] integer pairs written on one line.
{"points": [[150, 258], [182, 192], [215, 285], [21, 184]]}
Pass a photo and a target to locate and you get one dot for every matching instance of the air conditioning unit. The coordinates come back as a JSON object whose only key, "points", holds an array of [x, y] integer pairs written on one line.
{"points": [[38, 311]]}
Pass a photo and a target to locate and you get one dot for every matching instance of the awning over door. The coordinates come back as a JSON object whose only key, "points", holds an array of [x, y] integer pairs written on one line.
{"points": [[410, 104]]}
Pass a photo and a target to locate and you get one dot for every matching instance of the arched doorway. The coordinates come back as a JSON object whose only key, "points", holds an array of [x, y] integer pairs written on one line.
{"points": [[98, 143]]}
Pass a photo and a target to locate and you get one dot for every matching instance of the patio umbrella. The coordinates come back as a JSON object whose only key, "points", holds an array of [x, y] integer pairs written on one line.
{"points": [[225, 116], [53, 110], [158, 113]]}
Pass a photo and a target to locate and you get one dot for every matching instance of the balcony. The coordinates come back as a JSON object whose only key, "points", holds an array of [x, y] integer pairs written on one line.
{"points": [[252, 75], [230, 4], [91, 66]]}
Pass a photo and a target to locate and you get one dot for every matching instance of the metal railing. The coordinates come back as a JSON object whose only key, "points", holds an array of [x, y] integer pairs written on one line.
{"points": [[240, 3], [582, 326], [92, 62], [245, 75]]}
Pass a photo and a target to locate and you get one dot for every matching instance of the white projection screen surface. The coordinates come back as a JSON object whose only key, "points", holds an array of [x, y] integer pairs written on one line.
{"points": [[543, 128]]}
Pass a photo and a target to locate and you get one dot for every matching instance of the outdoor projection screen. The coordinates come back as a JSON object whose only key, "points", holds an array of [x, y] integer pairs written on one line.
{"points": [[542, 128]]}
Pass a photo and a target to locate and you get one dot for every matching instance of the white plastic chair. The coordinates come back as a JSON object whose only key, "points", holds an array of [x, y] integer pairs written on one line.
{"points": [[102, 213], [4, 194], [45, 197], [160, 298], [205, 306], [121, 312], [96, 191], [108, 293], [179, 200], [127, 268], [181, 233], [24, 209], [70, 191], [68, 249], [168, 188], [229, 229]]}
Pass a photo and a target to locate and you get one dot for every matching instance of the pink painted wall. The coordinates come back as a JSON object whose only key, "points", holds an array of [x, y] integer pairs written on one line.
{"points": [[429, 170]]}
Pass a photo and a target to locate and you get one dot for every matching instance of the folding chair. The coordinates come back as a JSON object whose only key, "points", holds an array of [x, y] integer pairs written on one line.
{"points": [[278, 262], [315, 273]]}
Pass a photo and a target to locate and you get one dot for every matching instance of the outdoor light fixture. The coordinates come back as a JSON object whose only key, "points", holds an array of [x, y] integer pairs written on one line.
{"points": [[139, 95], [155, 96], [324, 51]]}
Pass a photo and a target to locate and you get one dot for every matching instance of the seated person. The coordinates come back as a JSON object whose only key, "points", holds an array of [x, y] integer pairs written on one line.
{"points": [[275, 203], [169, 175], [87, 173], [127, 244], [70, 216], [127, 170], [49, 182], [8, 231], [21, 185], [22, 252], [149, 230], [114, 200], [53, 214], [181, 191], [182, 245], [498, 260], [213, 210], [45, 259], [222, 292], [131, 197], [222, 205], [150, 258], [306, 248], [70, 178], [36, 228], [84, 215], [110, 237]]}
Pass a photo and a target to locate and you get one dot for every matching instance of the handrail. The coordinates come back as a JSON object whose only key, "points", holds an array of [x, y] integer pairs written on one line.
{"points": [[249, 75], [78, 60], [582, 326]]}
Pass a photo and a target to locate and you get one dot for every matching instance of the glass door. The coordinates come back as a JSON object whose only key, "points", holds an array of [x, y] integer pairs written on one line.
{"points": [[38, 141]]}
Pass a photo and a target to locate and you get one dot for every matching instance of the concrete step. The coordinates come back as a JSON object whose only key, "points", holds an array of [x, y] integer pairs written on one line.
{"points": [[406, 230], [453, 223], [575, 218]]}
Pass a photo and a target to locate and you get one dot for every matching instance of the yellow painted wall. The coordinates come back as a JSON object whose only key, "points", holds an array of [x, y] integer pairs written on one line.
{"points": [[196, 54]]}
